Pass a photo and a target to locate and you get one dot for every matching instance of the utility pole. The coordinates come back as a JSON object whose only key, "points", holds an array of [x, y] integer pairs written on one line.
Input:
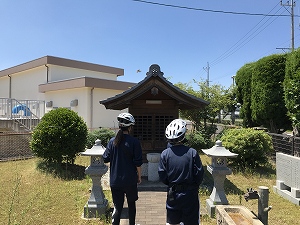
{"points": [[207, 71], [292, 4], [233, 80]]}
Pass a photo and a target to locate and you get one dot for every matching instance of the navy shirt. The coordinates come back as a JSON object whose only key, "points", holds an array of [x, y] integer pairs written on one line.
{"points": [[123, 161], [180, 164]]}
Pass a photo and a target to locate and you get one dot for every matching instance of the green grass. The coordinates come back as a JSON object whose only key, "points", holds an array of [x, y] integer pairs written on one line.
{"points": [[43, 196], [236, 184], [30, 196]]}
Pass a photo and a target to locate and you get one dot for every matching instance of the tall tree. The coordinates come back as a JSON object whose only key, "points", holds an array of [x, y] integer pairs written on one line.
{"points": [[292, 89], [219, 98], [267, 102], [243, 80]]}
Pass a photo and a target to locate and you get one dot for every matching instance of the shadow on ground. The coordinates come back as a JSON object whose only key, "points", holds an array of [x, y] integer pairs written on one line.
{"points": [[64, 171]]}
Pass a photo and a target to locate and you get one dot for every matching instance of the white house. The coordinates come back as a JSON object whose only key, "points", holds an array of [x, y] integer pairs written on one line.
{"points": [[59, 82]]}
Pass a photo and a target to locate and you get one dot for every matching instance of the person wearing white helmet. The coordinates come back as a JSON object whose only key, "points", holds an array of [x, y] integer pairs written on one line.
{"points": [[180, 168], [124, 153]]}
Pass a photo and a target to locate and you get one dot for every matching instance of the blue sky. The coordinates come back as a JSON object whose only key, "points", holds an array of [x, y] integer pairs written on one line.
{"points": [[133, 35]]}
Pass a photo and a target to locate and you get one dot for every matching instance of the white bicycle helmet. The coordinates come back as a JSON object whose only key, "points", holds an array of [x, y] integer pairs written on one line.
{"points": [[125, 120], [175, 131]]}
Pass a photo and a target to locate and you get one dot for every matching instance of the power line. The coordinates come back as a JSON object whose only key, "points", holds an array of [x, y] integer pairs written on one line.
{"points": [[233, 49], [242, 42], [246, 38], [209, 10]]}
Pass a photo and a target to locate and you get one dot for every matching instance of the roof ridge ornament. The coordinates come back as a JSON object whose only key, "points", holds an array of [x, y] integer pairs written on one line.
{"points": [[154, 70]]}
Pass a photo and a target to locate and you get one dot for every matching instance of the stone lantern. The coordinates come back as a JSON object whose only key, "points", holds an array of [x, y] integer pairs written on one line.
{"points": [[218, 170], [97, 204]]}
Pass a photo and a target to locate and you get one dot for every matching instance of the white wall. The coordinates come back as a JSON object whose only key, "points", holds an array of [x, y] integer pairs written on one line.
{"points": [[4, 87], [57, 73], [94, 114], [105, 117], [62, 98], [25, 85]]}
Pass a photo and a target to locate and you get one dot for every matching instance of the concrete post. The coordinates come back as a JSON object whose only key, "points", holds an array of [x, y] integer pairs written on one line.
{"points": [[263, 202]]}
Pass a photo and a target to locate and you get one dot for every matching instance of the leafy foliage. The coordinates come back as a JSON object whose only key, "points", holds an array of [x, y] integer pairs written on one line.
{"points": [[267, 103], [292, 89], [103, 134], [204, 119], [60, 136], [197, 140], [252, 146], [243, 80]]}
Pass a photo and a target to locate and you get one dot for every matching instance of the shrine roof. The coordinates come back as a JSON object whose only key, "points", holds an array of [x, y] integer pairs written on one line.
{"points": [[154, 81]]}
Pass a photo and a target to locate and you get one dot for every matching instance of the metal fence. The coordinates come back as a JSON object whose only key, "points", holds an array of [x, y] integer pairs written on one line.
{"points": [[21, 114], [287, 144], [15, 146]]}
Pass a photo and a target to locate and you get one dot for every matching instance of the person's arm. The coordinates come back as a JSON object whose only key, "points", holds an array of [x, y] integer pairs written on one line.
{"points": [[138, 159], [139, 173], [198, 169], [162, 173], [106, 154]]}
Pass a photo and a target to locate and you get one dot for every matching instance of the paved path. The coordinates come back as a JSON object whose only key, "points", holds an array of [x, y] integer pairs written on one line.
{"points": [[151, 205], [151, 209]]}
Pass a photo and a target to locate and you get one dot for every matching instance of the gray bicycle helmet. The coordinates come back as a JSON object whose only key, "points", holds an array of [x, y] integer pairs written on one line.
{"points": [[125, 120], [175, 131]]}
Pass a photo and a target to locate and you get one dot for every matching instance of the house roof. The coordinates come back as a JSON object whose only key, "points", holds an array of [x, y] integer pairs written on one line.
{"points": [[51, 60], [155, 79], [80, 82]]}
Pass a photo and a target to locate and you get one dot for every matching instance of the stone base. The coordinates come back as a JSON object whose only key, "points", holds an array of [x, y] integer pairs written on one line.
{"points": [[95, 211], [292, 196], [211, 208]]}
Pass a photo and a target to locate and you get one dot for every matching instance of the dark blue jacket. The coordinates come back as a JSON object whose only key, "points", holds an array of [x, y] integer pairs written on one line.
{"points": [[123, 161], [180, 164]]}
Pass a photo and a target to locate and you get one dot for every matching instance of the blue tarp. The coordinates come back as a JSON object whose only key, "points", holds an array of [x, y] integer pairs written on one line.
{"points": [[18, 108]]}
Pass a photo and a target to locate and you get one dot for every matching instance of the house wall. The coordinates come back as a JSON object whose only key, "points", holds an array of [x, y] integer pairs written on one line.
{"points": [[105, 117], [57, 73], [4, 87], [24, 85], [94, 114]]}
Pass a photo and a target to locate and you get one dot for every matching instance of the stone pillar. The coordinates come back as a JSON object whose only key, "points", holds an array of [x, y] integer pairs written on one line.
{"points": [[97, 204], [153, 161], [218, 196]]}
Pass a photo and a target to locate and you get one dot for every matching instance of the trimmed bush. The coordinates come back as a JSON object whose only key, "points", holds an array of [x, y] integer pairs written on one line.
{"points": [[197, 141], [103, 134], [292, 90], [60, 136], [252, 147]]}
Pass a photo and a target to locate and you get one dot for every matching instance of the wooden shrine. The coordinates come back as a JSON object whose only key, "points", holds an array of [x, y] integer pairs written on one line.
{"points": [[154, 102]]}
